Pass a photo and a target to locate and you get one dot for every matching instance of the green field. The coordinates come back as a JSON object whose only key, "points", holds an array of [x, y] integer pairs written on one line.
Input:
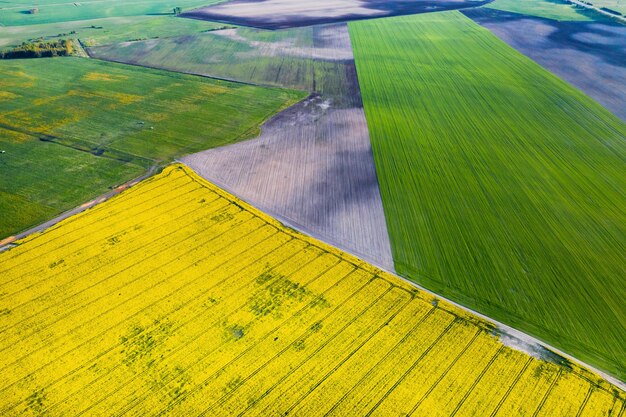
{"points": [[105, 123], [107, 30], [40, 179], [503, 186], [282, 58], [550, 9], [15, 12], [615, 5]]}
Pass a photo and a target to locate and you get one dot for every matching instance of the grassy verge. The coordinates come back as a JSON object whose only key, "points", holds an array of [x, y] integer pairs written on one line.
{"points": [[72, 127], [503, 186]]}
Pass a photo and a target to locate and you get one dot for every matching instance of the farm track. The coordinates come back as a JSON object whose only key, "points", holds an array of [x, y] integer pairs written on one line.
{"points": [[238, 315]]}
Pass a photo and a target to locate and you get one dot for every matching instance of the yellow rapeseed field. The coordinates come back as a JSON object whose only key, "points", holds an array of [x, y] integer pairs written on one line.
{"points": [[176, 298]]}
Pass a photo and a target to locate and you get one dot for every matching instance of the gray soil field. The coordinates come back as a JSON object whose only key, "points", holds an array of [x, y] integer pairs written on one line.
{"points": [[280, 14], [589, 55], [313, 168]]}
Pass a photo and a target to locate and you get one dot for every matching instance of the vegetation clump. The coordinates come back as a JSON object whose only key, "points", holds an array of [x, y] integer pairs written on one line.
{"points": [[40, 49]]}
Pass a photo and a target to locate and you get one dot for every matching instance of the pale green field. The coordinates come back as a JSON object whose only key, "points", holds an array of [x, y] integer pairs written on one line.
{"points": [[107, 30], [550, 9], [617, 5], [15, 12]]}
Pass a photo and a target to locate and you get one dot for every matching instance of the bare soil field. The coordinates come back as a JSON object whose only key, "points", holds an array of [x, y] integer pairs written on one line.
{"points": [[280, 14], [312, 166], [589, 55]]}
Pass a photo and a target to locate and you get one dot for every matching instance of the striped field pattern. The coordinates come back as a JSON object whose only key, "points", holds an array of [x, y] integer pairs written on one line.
{"points": [[503, 186], [176, 298]]}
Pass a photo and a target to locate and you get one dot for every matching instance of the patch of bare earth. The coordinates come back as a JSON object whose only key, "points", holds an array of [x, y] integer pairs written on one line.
{"points": [[312, 167], [279, 14]]}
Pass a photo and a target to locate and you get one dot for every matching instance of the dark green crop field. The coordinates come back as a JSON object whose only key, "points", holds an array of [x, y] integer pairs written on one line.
{"points": [[504, 188], [71, 127]]}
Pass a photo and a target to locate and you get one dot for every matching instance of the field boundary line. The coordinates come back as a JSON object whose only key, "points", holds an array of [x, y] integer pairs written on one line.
{"points": [[385, 356], [445, 372], [152, 326], [413, 365], [477, 381], [511, 387], [97, 208], [310, 234], [548, 391], [350, 355], [8, 243], [584, 404], [195, 74]]}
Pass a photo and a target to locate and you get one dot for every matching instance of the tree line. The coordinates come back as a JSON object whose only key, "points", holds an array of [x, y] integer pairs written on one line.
{"points": [[40, 49]]}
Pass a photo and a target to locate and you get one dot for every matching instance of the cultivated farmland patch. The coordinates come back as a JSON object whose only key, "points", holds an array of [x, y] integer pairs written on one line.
{"points": [[280, 14], [314, 59], [503, 186], [105, 31], [589, 55], [312, 166], [19, 12], [71, 128], [176, 298], [549, 9]]}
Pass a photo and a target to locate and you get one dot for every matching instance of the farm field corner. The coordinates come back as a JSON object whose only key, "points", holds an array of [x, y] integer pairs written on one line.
{"points": [[503, 186], [70, 128], [175, 298]]}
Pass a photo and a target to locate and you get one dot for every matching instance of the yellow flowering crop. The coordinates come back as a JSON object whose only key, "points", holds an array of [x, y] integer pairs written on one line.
{"points": [[176, 298]]}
